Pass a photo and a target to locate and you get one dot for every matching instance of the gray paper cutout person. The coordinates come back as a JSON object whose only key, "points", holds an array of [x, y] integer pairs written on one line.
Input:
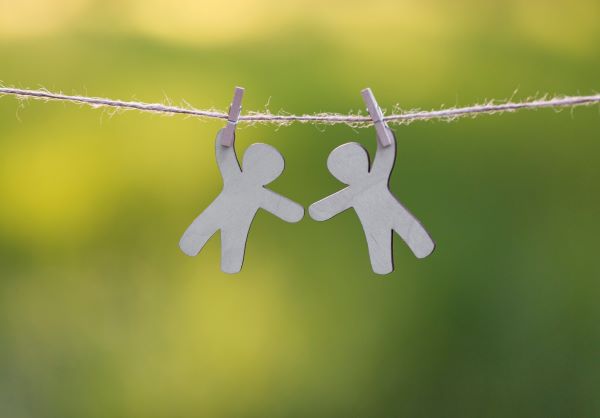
{"points": [[377, 208], [234, 209]]}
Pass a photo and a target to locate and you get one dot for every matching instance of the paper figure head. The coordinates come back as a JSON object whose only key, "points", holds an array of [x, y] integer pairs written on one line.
{"points": [[349, 163], [263, 162]]}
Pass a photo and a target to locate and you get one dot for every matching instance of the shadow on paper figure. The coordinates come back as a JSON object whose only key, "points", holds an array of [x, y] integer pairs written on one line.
{"points": [[368, 193], [234, 209]]}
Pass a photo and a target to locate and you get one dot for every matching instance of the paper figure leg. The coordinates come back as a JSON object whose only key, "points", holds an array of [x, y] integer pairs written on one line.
{"points": [[233, 246], [193, 241], [380, 250], [197, 234], [413, 234]]}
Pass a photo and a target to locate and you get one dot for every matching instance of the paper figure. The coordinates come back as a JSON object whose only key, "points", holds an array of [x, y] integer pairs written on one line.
{"points": [[368, 193], [234, 209]]}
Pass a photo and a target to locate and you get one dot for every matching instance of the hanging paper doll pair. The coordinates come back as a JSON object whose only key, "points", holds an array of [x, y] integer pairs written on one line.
{"points": [[367, 192]]}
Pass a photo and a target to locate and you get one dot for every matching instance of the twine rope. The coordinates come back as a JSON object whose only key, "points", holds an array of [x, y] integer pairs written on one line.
{"points": [[491, 107]]}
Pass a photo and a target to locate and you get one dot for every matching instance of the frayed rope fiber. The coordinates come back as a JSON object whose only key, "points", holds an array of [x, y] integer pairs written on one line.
{"points": [[321, 118]]}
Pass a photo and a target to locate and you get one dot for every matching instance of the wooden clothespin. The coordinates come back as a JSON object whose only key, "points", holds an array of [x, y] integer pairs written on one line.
{"points": [[384, 133], [228, 137]]}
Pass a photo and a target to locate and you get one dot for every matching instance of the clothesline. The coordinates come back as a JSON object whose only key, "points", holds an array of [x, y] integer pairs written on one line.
{"points": [[491, 107]]}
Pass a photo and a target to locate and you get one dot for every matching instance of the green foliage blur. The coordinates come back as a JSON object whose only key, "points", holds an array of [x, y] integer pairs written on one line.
{"points": [[102, 316]]}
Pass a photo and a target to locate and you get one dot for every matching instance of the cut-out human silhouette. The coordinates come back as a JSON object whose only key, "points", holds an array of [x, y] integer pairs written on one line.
{"points": [[234, 209], [379, 211]]}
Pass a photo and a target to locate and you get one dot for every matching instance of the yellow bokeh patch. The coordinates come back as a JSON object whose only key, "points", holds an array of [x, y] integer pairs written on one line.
{"points": [[51, 190]]}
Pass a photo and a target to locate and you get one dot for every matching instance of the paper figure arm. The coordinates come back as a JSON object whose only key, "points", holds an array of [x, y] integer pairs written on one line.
{"points": [[226, 160], [331, 205], [385, 157], [281, 206]]}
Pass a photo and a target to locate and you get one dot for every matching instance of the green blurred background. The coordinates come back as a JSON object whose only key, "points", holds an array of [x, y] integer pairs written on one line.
{"points": [[101, 315]]}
